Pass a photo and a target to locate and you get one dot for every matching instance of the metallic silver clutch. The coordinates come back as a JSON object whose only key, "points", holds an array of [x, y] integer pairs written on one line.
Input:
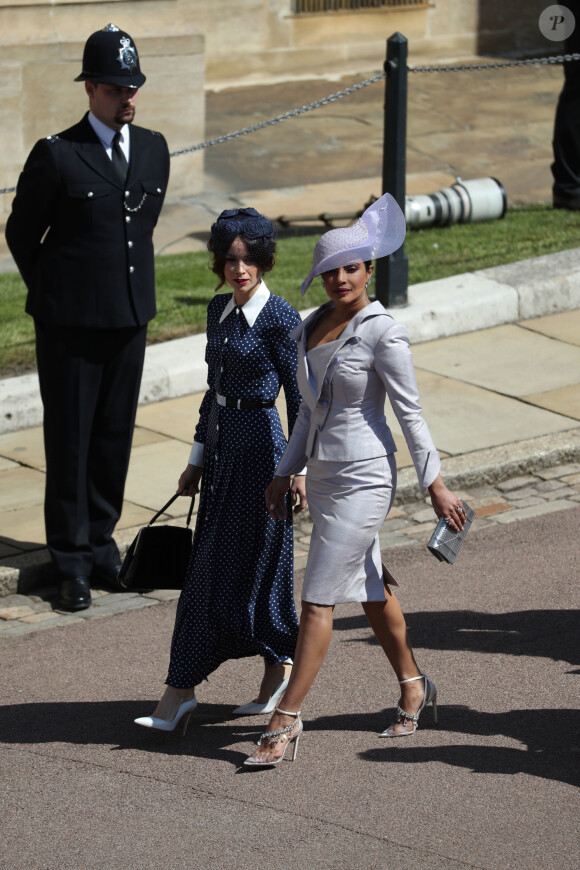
{"points": [[445, 543]]}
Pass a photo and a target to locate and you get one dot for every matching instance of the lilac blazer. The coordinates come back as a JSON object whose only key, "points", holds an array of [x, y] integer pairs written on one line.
{"points": [[344, 385]]}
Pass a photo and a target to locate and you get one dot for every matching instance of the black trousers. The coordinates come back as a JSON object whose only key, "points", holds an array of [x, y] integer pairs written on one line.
{"points": [[89, 383], [566, 143], [566, 140]]}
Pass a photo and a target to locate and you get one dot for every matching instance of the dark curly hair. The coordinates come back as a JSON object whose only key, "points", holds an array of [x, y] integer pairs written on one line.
{"points": [[255, 231]]}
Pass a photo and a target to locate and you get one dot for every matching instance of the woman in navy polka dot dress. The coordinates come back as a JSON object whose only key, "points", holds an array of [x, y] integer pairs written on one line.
{"points": [[238, 599]]}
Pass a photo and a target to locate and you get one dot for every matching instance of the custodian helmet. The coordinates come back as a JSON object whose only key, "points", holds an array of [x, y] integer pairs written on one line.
{"points": [[110, 57]]}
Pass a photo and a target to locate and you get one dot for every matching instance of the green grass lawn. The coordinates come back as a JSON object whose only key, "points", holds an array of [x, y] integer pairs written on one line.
{"points": [[185, 284]]}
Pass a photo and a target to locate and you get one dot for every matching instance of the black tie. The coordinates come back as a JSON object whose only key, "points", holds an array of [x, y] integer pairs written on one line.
{"points": [[118, 159]]}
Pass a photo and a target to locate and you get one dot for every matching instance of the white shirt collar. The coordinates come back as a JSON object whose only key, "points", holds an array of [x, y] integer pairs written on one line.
{"points": [[106, 134], [251, 308]]}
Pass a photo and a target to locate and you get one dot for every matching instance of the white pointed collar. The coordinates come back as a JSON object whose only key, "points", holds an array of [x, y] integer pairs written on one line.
{"points": [[251, 308], [105, 133]]}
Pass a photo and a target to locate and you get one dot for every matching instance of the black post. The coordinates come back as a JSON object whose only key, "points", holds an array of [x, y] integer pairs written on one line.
{"points": [[392, 275]]}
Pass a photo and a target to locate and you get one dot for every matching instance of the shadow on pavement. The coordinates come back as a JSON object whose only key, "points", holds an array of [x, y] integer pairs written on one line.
{"points": [[549, 633], [550, 737], [110, 724]]}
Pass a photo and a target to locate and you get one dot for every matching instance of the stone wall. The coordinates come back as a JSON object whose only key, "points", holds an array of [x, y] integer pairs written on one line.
{"points": [[260, 39], [41, 48], [188, 45]]}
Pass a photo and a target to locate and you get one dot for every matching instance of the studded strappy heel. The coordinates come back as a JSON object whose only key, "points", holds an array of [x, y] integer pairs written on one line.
{"points": [[283, 735], [403, 718]]}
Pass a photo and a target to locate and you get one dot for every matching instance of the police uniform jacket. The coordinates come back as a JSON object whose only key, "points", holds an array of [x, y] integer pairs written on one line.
{"points": [[82, 240]]}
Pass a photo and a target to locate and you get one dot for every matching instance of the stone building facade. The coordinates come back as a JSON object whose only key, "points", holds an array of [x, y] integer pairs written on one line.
{"points": [[188, 46]]}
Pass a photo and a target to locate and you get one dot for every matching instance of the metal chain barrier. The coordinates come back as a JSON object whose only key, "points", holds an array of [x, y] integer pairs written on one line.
{"points": [[560, 58], [295, 113]]}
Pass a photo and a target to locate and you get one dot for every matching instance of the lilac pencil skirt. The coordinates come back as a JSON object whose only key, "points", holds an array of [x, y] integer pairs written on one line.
{"points": [[348, 504]]}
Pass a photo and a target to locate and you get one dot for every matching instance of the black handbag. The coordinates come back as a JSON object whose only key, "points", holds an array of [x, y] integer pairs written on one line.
{"points": [[158, 557]]}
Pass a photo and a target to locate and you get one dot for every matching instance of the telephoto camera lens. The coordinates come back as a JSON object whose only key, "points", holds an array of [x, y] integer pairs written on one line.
{"points": [[482, 199]]}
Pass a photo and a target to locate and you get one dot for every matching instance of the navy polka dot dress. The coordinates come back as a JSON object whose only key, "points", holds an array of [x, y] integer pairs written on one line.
{"points": [[238, 599]]}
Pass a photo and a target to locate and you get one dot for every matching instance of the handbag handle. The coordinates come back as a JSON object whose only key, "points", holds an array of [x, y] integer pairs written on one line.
{"points": [[170, 502]]}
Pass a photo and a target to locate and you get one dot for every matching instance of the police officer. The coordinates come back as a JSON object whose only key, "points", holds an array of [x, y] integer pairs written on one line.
{"points": [[81, 233]]}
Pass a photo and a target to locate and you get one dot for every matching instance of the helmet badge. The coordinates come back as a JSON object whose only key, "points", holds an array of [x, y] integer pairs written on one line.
{"points": [[127, 54]]}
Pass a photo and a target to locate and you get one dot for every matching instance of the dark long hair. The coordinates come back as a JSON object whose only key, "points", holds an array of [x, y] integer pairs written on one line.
{"points": [[263, 255]]}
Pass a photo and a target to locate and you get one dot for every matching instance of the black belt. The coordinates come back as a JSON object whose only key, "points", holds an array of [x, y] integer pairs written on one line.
{"points": [[243, 404]]}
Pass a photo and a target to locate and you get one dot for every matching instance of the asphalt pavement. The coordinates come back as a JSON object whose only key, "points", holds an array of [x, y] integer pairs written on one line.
{"points": [[494, 786]]}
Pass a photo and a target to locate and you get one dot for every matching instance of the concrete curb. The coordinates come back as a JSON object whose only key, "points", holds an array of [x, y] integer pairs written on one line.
{"points": [[496, 464], [450, 306], [31, 571]]}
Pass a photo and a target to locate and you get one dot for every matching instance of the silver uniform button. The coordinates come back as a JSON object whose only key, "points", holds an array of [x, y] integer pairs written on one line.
{"points": [[90, 193], [128, 219], [159, 190], [226, 340], [129, 244], [131, 269], [127, 193]]}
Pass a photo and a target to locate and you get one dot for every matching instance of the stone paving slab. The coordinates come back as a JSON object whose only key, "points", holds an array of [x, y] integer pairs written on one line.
{"points": [[24, 447], [536, 510], [521, 497], [506, 359], [565, 400], [21, 486], [564, 326], [136, 515], [173, 418], [482, 418], [24, 526], [473, 124], [143, 436], [154, 471]]}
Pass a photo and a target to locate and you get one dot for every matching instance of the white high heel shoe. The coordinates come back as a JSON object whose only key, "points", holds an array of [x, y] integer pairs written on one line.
{"points": [[184, 711], [253, 709], [429, 697], [283, 735]]}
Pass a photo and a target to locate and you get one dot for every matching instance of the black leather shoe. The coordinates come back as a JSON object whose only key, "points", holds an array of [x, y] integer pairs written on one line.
{"points": [[75, 594]]}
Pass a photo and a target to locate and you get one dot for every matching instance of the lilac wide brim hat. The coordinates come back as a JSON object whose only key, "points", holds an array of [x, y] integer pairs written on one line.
{"points": [[378, 232]]}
